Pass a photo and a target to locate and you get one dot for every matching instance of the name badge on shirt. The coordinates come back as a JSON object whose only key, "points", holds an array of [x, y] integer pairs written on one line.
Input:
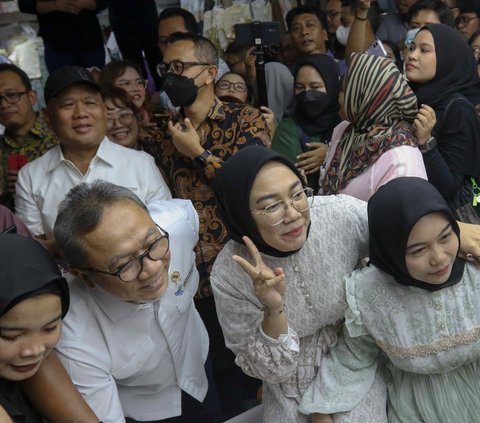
{"points": [[177, 280]]}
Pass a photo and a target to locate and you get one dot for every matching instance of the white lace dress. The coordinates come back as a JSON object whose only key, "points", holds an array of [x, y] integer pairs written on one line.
{"points": [[315, 306], [430, 342]]}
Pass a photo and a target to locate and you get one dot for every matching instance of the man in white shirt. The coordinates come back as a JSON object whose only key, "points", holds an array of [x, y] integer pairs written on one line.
{"points": [[133, 342], [76, 113]]}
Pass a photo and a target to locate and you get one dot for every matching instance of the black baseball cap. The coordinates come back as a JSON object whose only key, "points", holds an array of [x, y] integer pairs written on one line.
{"points": [[66, 76]]}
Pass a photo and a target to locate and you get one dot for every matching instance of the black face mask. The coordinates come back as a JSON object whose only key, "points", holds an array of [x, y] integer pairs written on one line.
{"points": [[181, 90], [311, 103]]}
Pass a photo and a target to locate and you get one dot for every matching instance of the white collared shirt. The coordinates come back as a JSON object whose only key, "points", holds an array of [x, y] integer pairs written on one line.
{"points": [[43, 183], [133, 360]]}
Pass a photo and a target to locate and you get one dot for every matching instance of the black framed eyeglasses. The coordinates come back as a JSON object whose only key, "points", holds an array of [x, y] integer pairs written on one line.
{"points": [[177, 67], [237, 86], [12, 97], [464, 20], [132, 269]]}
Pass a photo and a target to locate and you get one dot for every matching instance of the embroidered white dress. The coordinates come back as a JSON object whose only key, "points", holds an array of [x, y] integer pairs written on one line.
{"points": [[430, 342], [315, 306]]}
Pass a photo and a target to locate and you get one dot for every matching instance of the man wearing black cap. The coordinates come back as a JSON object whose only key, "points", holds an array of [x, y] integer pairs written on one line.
{"points": [[76, 113]]}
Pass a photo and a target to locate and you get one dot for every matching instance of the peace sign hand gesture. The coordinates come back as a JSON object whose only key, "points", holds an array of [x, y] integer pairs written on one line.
{"points": [[268, 284]]}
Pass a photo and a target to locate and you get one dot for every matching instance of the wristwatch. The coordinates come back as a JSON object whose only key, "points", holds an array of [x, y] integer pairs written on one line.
{"points": [[202, 159], [429, 145]]}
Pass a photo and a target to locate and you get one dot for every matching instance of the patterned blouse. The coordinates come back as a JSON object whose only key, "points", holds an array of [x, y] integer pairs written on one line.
{"points": [[36, 142], [314, 302], [227, 128]]}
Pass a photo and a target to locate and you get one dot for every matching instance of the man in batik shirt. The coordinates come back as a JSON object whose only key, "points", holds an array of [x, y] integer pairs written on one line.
{"points": [[204, 134], [26, 134]]}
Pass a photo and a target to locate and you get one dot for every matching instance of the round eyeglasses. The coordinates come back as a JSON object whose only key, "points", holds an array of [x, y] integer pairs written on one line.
{"points": [[237, 86], [125, 118], [132, 269], [177, 67], [276, 212]]}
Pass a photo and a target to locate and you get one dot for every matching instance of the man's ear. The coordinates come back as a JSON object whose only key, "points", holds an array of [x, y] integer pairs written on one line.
{"points": [[32, 97], [82, 275], [211, 74]]}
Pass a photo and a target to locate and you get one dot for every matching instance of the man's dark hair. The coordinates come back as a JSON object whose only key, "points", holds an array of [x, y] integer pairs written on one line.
{"points": [[438, 7], [300, 10], [469, 6], [188, 19], [21, 74], [203, 48]]}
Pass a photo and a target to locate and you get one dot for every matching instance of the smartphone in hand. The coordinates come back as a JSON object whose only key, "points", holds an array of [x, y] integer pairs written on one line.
{"points": [[17, 161]]}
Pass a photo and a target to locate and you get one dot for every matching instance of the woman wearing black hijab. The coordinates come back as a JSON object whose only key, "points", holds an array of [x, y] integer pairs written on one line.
{"points": [[304, 136], [34, 298], [442, 73], [282, 306], [417, 305]]}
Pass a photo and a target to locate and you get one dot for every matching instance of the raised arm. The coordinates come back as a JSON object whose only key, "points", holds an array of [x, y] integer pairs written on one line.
{"points": [[54, 396]]}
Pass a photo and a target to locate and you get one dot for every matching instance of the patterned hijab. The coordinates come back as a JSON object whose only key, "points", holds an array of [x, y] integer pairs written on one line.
{"points": [[392, 213], [381, 108]]}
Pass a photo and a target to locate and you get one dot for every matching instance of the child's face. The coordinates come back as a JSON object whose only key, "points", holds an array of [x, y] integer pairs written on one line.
{"points": [[431, 249]]}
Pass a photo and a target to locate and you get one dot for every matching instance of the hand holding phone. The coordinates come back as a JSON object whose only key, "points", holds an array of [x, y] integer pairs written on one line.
{"points": [[17, 161], [377, 49]]}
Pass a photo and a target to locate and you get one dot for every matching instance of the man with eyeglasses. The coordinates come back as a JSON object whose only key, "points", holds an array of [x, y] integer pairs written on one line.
{"points": [[203, 135], [77, 114], [132, 343], [468, 21], [26, 136]]}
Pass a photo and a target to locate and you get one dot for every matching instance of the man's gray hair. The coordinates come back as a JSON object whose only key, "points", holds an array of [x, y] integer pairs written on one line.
{"points": [[80, 212]]}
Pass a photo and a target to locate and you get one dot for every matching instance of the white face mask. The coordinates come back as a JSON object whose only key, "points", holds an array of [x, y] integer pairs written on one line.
{"points": [[410, 36], [342, 34]]}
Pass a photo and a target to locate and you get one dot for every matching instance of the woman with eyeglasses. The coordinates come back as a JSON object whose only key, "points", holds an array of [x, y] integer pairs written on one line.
{"points": [[233, 87], [126, 75], [442, 72], [123, 122], [278, 283]]}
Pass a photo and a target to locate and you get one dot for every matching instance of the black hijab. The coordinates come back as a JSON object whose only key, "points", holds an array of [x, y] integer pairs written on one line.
{"points": [[233, 184], [392, 212], [456, 71], [27, 270], [321, 125]]}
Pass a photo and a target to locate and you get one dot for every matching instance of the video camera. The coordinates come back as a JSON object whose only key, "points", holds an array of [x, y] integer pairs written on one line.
{"points": [[265, 37]]}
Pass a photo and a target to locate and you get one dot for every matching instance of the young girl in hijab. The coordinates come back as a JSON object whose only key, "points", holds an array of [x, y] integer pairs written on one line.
{"points": [[34, 298], [378, 143], [304, 136], [416, 308], [281, 307], [442, 73]]}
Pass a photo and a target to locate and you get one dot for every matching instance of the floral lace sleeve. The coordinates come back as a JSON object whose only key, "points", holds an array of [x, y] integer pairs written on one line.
{"points": [[240, 315]]}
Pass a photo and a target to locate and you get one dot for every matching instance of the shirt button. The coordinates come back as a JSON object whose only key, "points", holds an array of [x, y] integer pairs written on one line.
{"points": [[441, 326], [310, 307], [438, 306], [295, 269]]}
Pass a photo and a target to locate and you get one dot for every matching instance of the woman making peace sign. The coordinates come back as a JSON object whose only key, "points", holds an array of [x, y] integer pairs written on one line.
{"points": [[281, 306]]}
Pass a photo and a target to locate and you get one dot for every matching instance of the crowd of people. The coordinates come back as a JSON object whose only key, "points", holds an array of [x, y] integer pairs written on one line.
{"points": [[173, 249]]}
